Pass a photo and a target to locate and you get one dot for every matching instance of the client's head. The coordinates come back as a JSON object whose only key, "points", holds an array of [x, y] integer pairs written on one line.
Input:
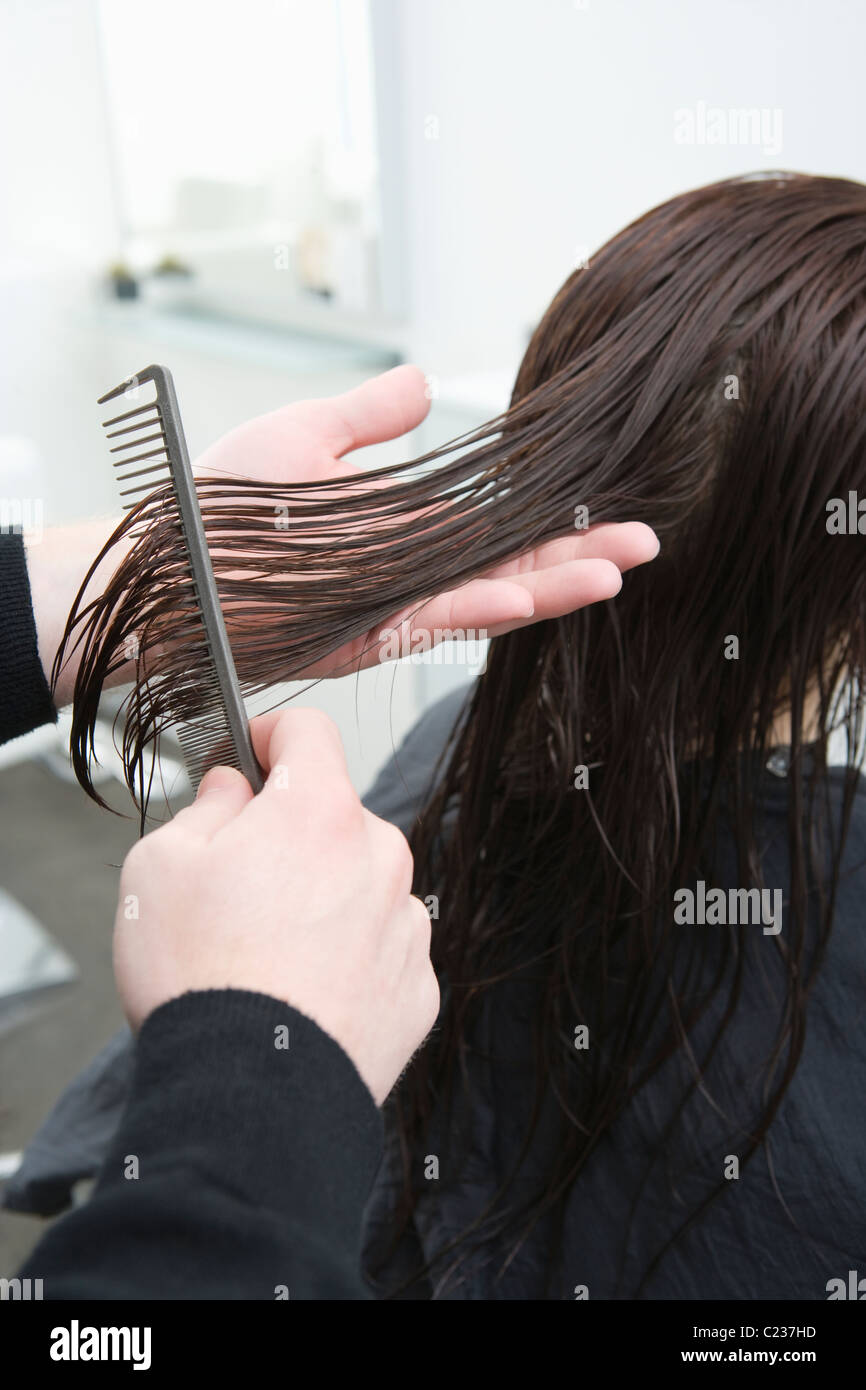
{"points": [[706, 373], [715, 354]]}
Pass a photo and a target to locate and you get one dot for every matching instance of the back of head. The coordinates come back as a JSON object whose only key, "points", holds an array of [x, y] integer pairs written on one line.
{"points": [[707, 373], [719, 346]]}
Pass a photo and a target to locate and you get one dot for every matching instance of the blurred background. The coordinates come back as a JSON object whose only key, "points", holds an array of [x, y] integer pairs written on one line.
{"points": [[278, 200]]}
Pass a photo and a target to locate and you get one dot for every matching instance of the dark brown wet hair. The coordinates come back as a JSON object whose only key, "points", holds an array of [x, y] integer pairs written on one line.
{"points": [[705, 374]]}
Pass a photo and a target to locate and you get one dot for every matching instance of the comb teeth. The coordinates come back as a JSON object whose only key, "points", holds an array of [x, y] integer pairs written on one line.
{"points": [[207, 744], [207, 740], [147, 427], [209, 692]]}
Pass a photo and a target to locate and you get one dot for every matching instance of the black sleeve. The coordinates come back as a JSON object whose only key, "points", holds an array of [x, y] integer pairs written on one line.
{"points": [[25, 700], [240, 1169]]}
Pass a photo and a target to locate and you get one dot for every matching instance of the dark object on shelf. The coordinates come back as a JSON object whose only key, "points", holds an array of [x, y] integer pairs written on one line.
{"points": [[123, 283]]}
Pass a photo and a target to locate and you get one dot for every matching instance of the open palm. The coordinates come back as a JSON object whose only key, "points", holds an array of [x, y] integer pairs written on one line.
{"points": [[311, 440]]}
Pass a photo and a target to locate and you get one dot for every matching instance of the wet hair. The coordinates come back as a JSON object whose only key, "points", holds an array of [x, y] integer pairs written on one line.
{"points": [[706, 374]]}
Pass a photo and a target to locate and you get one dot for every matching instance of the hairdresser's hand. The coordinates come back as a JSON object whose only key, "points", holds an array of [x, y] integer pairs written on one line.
{"points": [[298, 892], [310, 440]]}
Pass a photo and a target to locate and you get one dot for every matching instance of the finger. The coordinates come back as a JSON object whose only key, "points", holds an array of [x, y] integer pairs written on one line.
{"points": [[566, 588], [382, 408], [222, 795], [454, 615], [626, 544], [294, 745], [218, 779], [487, 608]]}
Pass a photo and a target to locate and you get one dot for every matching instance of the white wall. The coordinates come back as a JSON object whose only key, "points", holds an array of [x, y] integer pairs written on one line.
{"points": [[57, 225], [556, 128]]}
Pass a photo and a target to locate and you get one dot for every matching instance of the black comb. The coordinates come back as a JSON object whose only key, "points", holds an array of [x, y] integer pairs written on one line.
{"points": [[153, 444]]}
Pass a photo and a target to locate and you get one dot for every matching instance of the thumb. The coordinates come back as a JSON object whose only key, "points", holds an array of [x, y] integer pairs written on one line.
{"points": [[222, 795], [219, 779]]}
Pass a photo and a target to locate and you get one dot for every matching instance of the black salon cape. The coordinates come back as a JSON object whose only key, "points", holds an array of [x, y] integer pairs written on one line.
{"points": [[248, 1142]]}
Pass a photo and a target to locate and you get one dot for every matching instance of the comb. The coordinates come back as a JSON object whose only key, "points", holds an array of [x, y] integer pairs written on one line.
{"points": [[151, 443]]}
